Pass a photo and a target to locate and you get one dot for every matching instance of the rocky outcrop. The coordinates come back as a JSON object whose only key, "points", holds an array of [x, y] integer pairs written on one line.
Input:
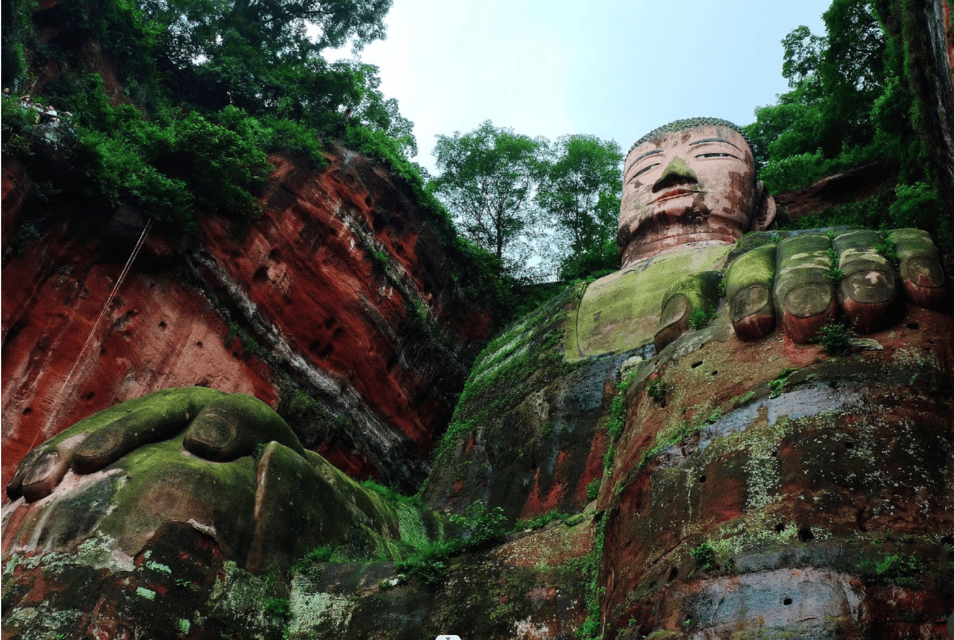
{"points": [[180, 586], [336, 306], [741, 488], [809, 496], [528, 434], [853, 185], [719, 488]]}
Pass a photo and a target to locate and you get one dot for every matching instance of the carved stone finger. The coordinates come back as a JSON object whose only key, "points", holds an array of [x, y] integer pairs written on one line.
{"points": [[42, 469], [804, 295], [146, 425], [696, 292], [921, 272], [233, 426], [748, 288], [869, 284]]}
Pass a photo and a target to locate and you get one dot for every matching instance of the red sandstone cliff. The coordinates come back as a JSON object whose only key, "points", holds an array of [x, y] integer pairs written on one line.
{"points": [[292, 303]]}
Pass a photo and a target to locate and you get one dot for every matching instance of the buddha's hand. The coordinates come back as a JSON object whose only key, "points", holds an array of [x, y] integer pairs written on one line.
{"points": [[808, 279], [214, 426], [227, 466]]}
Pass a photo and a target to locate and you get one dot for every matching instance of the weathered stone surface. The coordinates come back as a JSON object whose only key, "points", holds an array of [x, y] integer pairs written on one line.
{"points": [[749, 292], [767, 488], [722, 488], [764, 487], [181, 586], [690, 183], [230, 316], [526, 435], [621, 311], [798, 467]]}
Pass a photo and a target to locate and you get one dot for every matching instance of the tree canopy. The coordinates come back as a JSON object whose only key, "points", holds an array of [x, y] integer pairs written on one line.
{"points": [[488, 180], [854, 100], [580, 194]]}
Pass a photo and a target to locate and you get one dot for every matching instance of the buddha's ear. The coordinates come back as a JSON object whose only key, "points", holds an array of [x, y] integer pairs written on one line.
{"points": [[764, 208]]}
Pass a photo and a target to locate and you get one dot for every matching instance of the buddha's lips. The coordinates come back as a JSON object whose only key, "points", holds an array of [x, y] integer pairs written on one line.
{"points": [[675, 193]]}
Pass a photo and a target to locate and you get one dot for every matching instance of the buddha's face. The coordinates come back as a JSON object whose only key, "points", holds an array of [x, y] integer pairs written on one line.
{"points": [[696, 185]]}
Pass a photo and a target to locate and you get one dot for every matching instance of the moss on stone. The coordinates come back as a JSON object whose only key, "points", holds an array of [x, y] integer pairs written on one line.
{"points": [[621, 311], [152, 474], [914, 242], [509, 367], [757, 267], [177, 405]]}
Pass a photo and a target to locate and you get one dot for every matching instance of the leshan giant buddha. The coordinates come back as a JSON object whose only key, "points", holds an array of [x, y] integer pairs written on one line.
{"points": [[194, 471], [690, 192]]}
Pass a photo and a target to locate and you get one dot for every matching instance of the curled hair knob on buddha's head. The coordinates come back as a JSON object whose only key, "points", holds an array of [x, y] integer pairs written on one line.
{"points": [[692, 181]]}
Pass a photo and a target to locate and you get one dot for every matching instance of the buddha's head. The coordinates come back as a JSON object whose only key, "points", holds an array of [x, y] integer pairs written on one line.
{"points": [[691, 181]]}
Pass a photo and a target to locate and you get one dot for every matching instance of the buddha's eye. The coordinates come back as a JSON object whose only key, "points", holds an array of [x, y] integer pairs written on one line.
{"points": [[645, 169], [715, 155]]}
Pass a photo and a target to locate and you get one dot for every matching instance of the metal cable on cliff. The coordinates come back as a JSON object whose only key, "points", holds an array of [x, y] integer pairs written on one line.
{"points": [[92, 331]]}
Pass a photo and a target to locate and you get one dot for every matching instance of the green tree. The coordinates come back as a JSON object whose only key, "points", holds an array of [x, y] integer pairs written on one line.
{"points": [[804, 52], [835, 82], [875, 88], [264, 54], [580, 193], [488, 180]]}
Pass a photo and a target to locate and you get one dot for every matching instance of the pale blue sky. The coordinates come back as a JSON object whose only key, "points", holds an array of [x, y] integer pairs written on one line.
{"points": [[610, 68]]}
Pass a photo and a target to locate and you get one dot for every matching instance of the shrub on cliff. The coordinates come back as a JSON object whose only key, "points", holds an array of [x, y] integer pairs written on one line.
{"points": [[172, 163], [864, 92]]}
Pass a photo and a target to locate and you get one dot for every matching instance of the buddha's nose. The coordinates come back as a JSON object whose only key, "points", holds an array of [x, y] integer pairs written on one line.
{"points": [[678, 172]]}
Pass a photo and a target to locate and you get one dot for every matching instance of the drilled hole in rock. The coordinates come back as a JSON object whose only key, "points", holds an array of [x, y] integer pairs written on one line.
{"points": [[805, 534], [697, 364], [786, 601], [392, 362], [849, 445], [714, 372], [673, 573], [89, 396], [162, 324], [780, 527], [702, 478], [28, 411], [913, 326], [199, 344]]}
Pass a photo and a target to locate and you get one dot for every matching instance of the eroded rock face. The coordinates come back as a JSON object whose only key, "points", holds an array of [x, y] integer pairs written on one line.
{"points": [[826, 478], [180, 586], [527, 434], [725, 488], [337, 302], [729, 476], [745, 487]]}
